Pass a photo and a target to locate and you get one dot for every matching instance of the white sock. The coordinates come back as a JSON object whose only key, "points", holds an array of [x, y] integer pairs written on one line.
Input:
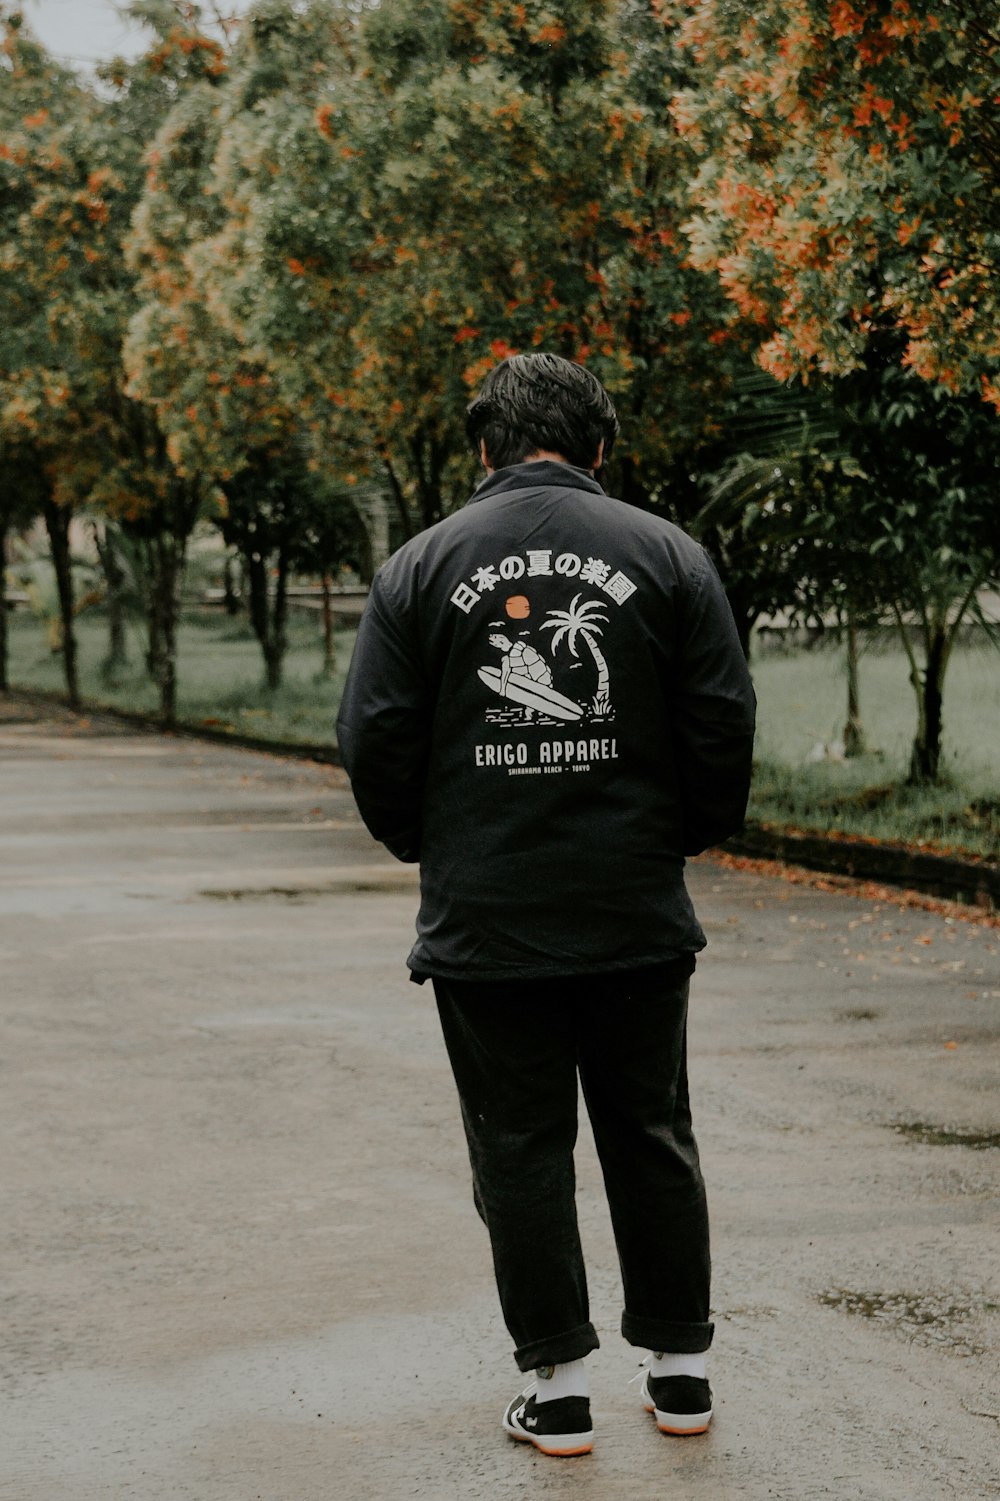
{"points": [[665, 1364], [566, 1380]]}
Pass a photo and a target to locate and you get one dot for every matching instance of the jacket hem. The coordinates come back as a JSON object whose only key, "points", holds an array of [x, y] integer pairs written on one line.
{"points": [[421, 970]]}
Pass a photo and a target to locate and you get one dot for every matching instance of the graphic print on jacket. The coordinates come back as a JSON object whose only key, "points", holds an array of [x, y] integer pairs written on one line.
{"points": [[525, 676], [546, 679]]}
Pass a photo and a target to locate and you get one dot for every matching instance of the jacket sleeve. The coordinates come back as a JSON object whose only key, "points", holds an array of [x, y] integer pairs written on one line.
{"points": [[383, 728], [713, 706]]}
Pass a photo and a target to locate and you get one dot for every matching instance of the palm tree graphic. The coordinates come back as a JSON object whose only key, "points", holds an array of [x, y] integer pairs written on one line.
{"points": [[568, 624]]}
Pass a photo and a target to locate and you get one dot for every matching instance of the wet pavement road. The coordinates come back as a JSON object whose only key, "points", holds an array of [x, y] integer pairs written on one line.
{"points": [[239, 1255]]}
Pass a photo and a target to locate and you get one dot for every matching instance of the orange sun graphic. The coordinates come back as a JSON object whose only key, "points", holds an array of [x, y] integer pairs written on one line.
{"points": [[518, 607]]}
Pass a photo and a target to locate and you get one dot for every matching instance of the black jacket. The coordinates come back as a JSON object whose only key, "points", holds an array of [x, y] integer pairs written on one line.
{"points": [[548, 707]]}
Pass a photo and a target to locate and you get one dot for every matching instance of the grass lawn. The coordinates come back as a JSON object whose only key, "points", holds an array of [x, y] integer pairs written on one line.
{"points": [[220, 674], [802, 698]]}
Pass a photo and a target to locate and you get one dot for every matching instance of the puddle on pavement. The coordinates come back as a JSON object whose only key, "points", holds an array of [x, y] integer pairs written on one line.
{"points": [[748, 1311], [930, 1135], [928, 1318], [267, 894], [307, 893]]}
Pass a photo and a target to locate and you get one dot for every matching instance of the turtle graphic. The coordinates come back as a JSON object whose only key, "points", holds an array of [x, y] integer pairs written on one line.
{"points": [[523, 659], [526, 679]]}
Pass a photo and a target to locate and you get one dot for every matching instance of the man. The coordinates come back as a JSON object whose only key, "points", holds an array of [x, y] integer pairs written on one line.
{"points": [[548, 707]]}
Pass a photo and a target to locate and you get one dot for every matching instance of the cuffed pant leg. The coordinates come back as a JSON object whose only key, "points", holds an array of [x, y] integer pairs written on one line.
{"points": [[518, 1093], [633, 1066]]}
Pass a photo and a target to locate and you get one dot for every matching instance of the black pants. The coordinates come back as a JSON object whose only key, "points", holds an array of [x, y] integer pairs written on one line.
{"points": [[515, 1048]]}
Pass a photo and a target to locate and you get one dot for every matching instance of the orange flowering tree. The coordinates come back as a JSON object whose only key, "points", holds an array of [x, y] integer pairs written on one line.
{"points": [[847, 200], [437, 184], [71, 173], [850, 177], [156, 502], [53, 214], [193, 356]]}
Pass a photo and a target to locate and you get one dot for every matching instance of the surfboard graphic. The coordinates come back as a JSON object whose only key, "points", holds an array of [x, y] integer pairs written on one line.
{"points": [[533, 695]]}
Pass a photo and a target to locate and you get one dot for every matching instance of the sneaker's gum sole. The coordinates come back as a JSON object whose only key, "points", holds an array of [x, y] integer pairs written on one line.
{"points": [[680, 1425], [680, 1432], [571, 1444]]}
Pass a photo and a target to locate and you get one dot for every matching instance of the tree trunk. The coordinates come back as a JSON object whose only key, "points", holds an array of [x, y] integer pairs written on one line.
{"points": [[57, 519], [279, 622], [373, 508], [928, 684], [4, 680], [116, 657], [167, 608], [165, 564], [399, 500], [269, 619], [161, 537], [630, 488], [426, 464], [745, 611], [230, 597], [745, 621], [329, 650], [854, 739], [255, 568], [602, 695], [153, 647]]}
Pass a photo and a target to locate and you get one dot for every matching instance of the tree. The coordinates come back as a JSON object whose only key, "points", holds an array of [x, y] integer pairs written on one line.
{"points": [[156, 501], [850, 178], [330, 536], [405, 207], [73, 171], [767, 504], [190, 354], [875, 497], [113, 554], [260, 517], [848, 202], [52, 210], [583, 620], [927, 507], [22, 492]]}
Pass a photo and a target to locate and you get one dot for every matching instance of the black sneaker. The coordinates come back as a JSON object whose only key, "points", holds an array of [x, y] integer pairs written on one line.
{"points": [[680, 1404], [561, 1427]]}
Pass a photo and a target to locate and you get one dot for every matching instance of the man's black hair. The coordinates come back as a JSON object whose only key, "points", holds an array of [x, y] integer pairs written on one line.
{"points": [[533, 402]]}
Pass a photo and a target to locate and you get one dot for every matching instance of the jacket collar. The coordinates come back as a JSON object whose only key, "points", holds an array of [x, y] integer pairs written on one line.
{"points": [[542, 473]]}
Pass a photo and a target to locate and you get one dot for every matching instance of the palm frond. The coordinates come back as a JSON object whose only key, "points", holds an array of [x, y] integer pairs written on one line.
{"points": [[777, 431], [770, 419]]}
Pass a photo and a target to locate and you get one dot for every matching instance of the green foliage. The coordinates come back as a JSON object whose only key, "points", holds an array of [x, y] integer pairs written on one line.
{"points": [[857, 801], [875, 490], [261, 270], [72, 174], [402, 205]]}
